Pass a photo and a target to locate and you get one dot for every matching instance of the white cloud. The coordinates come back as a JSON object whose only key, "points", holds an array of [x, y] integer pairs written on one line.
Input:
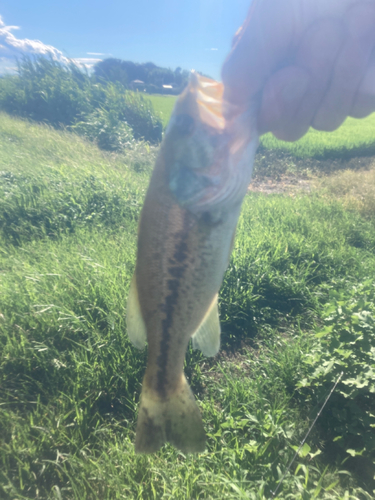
{"points": [[86, 62], [12, 47]]}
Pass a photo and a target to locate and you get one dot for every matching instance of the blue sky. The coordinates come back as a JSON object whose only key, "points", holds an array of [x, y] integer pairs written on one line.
{"points": [[193, 34]]}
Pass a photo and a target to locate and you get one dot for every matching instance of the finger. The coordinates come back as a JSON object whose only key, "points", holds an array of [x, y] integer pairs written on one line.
{"points": [[262, 41], [282, 96], [364, 102], [349, 69], [316, 56], [268, 41]]}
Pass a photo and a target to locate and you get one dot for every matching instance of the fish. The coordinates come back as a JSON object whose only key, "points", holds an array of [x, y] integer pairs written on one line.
{"points": [[185, 239]]}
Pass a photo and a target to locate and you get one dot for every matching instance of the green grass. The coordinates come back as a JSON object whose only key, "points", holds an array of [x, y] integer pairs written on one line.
{"points": [[53, 182], [70, 380], [353, 138], [163, 104]]}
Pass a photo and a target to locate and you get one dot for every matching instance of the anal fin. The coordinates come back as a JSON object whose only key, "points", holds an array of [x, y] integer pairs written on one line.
{"points": [[207, 336], [135, 324]]}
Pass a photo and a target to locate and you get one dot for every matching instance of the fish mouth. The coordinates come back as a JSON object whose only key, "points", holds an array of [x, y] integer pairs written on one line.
{"points": [[209, 159], [203, 101]]}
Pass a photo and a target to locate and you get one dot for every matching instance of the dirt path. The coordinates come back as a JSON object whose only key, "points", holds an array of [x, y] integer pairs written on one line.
{"points": [[276, 172], [286, 184]]}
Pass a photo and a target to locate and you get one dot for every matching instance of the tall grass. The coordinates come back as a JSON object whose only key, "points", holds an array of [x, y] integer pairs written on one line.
{"points": [[289, 253], [47, 91], [70, 380], [54, 182], [356, 190]]}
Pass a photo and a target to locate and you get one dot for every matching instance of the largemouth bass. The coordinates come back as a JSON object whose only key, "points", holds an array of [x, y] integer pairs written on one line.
{"points": [[185, 238]]}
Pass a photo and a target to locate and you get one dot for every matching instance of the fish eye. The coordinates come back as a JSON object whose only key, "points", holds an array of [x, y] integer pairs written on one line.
{"points": [[184, 124]]}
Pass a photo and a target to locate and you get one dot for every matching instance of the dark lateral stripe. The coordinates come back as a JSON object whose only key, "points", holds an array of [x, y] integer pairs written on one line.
{"points": [[176, 272]]}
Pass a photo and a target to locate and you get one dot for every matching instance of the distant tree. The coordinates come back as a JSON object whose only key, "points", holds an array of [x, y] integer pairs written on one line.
{"points": [[111, 70], [161, 76], [149, 66], [182, 77], [125, 72], [135, 71]]}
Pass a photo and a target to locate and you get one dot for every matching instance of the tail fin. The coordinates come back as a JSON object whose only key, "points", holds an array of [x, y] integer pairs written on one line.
{"points": [[176, 419]]}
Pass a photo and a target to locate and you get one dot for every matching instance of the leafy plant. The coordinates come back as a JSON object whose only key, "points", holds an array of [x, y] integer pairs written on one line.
{"points": [[47, 91], [105, 128], [62, 95], [346, 344], [135, 110]]}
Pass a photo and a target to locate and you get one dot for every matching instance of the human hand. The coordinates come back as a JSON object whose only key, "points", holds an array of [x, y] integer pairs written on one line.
{"points": [[308, 62]]}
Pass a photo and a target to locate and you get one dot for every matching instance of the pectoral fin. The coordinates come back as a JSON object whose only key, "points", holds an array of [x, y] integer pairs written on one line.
{"points": [[207, 336], [135, 325]]}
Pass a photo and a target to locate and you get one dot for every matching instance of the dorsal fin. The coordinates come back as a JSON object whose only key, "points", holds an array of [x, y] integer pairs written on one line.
{"points": [[135, 324], [207, 336]]}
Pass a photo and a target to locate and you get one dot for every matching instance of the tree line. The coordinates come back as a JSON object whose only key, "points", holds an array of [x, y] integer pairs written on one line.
{"points": [[130, 74]]}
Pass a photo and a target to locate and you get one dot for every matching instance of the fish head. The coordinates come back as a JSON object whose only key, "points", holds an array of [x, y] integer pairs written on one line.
{"points": [[208, 160]]}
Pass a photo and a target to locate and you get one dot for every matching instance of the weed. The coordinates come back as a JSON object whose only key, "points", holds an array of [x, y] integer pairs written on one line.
{"points": [[356, 190]]}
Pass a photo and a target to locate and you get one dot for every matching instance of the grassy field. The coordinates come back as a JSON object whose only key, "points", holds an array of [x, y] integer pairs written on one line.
{"points": [[353, 138], [297, 308], [163, 104]]}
